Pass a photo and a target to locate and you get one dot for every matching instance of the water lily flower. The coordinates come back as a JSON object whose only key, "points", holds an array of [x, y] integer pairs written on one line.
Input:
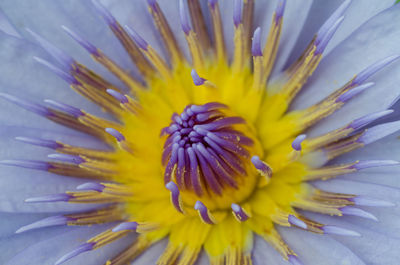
{"points": [[199, 132]]}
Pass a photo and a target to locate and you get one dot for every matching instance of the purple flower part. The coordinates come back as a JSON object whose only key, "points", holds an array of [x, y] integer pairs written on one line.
{"points": [[73, 159], [79, 250], [260, 165], [293, 220], [152, 4], [197, 80], [371, 202], [84, 43], [372, 69], [375, 163], [207, 107], [118, 96], [47, 222], [378, 132], [62, 57], [335, 230], [91, 186], [256, 43], [61, 197], [294, 260], [279, 10], [199, 206], [184, 18], [296, 144], [237, 12], [67, 77], [331, 21], [38, 165], [137, 38], [40, 142], [346, 96], [108, 17], [212, 3], [25, 104], [348, 210], [240, 214], [328, 36], [173, 188], [125, 226], [365, 120], [116, 134], [65, 108]]}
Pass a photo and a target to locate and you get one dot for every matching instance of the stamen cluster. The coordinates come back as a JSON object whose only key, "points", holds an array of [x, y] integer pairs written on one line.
{"points": [[204, 150]]}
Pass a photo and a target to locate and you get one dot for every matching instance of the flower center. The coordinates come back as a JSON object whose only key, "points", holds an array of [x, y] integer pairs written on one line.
{"points": [[207, 154]]}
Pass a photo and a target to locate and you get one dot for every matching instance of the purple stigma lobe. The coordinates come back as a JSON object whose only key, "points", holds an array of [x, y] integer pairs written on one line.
{"points": [[173, 188], [239, 212], [203, 212], [296, 144]]}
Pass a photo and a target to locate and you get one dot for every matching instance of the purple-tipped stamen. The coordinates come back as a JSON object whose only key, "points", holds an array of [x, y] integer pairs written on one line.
{"points": [[378, 132], [108, 17], [256, 43], [91, 186], [331, 21], [370, 202], [84, 43], [47, 222], [261, 166], [293, 220], [61, 197], [175, 195], [184, 18], [137, 38], [375, 163], [296, 144], [348, 210], [65, 108], [367, 119], [204, 213], [346, 96], [67, 77], [25, 104], [79, 250], [328, 36], [152, 4], [237, 12], [212, 3], [335, 230], [118, 96], [38, 165], [294, 260], [279, 10], [39, 142], [62, 57], [372, 69], [116, 134], [132, 226], [73, 159], [197, 80], [239, 213]]}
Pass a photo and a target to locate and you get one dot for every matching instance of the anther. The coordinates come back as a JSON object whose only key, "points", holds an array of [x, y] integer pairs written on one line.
{"points": [[263, 168], [239, 213], [175, 196], [204, 213]]}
